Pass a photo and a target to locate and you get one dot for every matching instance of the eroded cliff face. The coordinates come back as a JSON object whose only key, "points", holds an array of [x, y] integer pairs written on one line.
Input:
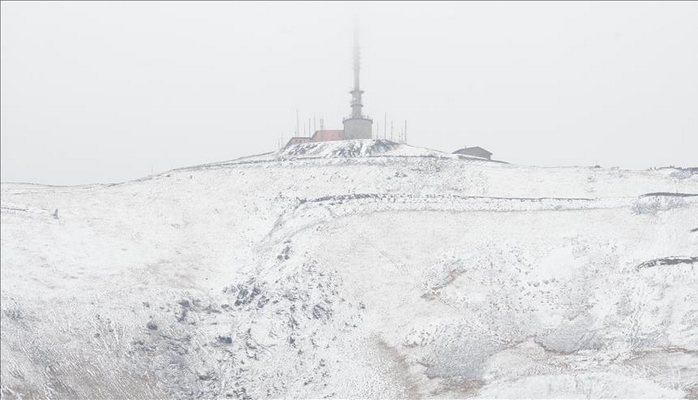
{"points": [[354, 269]]}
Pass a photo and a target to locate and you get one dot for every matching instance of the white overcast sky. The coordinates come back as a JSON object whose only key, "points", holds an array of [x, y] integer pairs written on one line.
{"points": [[110, 91]]}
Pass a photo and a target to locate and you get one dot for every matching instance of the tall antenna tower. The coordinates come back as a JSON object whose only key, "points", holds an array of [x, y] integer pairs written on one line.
{"points": [[356, 102], [357, 126]]}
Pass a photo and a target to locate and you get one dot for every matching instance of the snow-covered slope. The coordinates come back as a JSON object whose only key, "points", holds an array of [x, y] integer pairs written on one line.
{"points": [[344, 149], [355, 148], [353, 269]]}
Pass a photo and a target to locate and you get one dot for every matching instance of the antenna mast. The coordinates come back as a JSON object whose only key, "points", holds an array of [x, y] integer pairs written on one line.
{"points": [[356, 103], [405, 131]]}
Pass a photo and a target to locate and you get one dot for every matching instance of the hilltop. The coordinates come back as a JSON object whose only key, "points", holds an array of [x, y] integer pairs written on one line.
{"points": [[353, 269]]}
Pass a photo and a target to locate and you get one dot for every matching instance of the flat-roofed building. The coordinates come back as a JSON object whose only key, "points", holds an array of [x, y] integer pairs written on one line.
{"points": [[327, 135]]}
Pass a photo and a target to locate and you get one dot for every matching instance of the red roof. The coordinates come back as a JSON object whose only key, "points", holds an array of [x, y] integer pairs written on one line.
{"points": [[325, 135]]}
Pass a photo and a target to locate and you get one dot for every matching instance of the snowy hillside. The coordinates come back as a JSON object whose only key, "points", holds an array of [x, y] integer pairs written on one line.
{"points": [[356, 148], [353, 269]]}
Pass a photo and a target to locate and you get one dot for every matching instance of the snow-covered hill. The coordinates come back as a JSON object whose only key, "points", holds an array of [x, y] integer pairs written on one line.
{"points": [[355, 148], [353, 269]]}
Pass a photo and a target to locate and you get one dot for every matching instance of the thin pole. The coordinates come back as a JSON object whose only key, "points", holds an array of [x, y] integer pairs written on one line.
{"points": [[298, 124], [385, 125]]}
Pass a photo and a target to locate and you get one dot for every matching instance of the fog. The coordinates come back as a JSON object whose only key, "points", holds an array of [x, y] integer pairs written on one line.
{"points": [[113, 91]]}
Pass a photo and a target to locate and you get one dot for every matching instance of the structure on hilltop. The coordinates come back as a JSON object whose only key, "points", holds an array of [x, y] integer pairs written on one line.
{"points": [[475, 151], [357, 125], [360, 126]]}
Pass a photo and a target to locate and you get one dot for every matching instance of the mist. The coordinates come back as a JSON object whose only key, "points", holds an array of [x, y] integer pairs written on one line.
{"points": [[114, 91]]}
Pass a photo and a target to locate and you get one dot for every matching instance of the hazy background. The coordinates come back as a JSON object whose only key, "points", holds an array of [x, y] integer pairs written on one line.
{"points": [[108, 91]]}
